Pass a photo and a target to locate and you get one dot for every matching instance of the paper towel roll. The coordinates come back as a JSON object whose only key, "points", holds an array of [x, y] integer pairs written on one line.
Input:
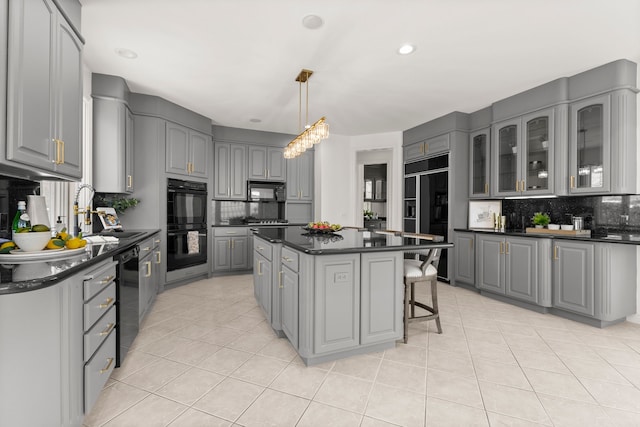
{"points": [[37, 210]]}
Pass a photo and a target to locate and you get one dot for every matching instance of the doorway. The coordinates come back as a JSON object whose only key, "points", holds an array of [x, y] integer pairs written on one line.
{"points": [[375, 189]]}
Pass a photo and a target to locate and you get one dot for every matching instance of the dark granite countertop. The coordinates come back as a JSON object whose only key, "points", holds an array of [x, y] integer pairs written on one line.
{"points": [[613, 237], [349, 240], [29, 276]]}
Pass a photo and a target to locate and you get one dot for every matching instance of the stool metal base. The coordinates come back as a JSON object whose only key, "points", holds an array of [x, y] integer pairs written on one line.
{"points": [[410, 304]]}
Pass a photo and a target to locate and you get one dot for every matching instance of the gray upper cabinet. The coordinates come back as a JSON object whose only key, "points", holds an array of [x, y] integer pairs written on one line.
{"points": [[112, 146], [426, 148], [479, 163], [231, 171], [44, 91], [187, 151], [267, 163], [522, 155], [300, 177]]}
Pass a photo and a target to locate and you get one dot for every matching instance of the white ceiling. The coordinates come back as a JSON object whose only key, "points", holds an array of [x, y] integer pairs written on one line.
{"points": [[236, 60]]}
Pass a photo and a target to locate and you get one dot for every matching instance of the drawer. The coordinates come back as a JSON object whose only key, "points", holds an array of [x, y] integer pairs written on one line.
{"points": [[99, 305], [290, 259], [230, 231], [98, 370], [263, 248], [98, 279], [99, 332], [146, 246]]}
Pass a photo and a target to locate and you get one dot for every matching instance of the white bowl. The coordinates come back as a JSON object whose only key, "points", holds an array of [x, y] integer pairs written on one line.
{"points": [[566, 227], [32, 241], [553, 227]]}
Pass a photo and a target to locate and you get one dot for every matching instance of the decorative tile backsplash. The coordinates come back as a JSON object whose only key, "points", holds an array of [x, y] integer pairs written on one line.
{"points": [[601, 213]]}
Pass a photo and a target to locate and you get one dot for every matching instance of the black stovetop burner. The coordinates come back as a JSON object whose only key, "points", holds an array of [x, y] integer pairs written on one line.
{"points": [[265, 221]]}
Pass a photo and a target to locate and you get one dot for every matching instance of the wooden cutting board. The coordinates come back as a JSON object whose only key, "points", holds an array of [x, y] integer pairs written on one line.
{"points": [[577, 233]]}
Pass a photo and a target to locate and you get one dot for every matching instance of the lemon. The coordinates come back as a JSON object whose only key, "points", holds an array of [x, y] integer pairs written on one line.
{"points": [[63, 235], [73, 243], [55, 244], [83, 243], [7, 247]]}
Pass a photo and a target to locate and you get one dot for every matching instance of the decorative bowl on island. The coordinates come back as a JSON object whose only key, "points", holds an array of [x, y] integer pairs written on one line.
{"points": [[32, 241], [322, 227]]}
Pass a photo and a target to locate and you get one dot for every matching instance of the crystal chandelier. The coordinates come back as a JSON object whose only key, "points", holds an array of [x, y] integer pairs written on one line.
{"points": [[312, 134]]}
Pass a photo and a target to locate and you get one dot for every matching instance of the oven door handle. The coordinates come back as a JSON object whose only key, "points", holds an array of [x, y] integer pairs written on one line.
{"points": [[169, 233]]}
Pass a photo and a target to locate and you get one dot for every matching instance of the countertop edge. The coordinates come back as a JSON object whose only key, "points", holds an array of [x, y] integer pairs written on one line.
{"points": [[36, 284], [552, 236]]}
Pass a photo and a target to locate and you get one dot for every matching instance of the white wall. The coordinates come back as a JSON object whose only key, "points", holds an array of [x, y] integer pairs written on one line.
{"points": [[337, 198]]}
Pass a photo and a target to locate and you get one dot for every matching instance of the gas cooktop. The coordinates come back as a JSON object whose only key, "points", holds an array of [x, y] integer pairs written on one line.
{"points": [[259, 221]]}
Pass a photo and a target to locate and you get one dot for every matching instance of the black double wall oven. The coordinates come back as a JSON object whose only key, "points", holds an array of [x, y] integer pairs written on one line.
{"points": [[186, 224]]}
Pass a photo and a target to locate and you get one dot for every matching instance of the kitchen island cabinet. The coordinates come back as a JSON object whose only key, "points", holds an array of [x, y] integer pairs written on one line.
{"points": [[333, 295]]}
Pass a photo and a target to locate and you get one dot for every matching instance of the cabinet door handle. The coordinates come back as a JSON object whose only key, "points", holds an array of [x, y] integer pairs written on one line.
{"points": [[470, 243], [61, 151], [266, 173], [229, 244], [524, 186], [130, 181], [280, 280], [106, 280], [233, 244], [106, 368], [107, 303], [572, 182], [501, 248], [228, 191], [148, 263], [259, 268], [158, 257], [555, 253], [486, 188], [108, 329], [260, 248], [421, 148], [517, 186], [506, 248]]}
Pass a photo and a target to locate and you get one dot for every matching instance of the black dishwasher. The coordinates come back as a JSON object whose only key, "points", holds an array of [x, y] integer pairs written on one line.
{"points": [[127, 293]]}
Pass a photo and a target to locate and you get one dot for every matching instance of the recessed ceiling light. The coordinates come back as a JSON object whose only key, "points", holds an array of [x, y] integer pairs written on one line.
{"points": [[255, 120], [126, 53], [312, 22], [406, 49]]}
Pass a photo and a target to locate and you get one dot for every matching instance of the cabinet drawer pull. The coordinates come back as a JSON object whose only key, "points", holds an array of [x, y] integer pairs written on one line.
{"points": [[148, 264], [232, 232], [286, 259], [555, 253], [572, 182], [108, 329], [106, 368], [260, 248], [107, 303], [158, 257], [146, 249], [107, 280], [156, 241], [280, 279]]}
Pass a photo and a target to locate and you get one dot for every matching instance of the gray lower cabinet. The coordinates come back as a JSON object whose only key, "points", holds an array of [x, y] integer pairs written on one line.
{"points": [[595, 280], [336, 321], [517, 267], [230, 172], [573, 276], [266, 280], [148, 275], [465, 261], [187, 151], [289, 282], [230, 249], [58, 349], [44, 91]]}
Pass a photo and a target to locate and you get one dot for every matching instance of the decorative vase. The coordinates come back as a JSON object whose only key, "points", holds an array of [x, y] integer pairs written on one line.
{"points": [[539, 226]]}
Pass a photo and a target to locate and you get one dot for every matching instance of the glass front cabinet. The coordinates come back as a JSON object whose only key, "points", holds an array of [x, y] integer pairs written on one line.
{"points": [[590, 145], [479, 164], [522, 155]]}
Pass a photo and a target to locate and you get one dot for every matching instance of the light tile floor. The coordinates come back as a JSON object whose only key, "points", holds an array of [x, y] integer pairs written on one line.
{"points": [[206, 357]]}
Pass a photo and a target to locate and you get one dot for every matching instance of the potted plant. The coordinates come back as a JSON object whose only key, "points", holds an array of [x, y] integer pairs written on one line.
{"points": [[540, 220]]}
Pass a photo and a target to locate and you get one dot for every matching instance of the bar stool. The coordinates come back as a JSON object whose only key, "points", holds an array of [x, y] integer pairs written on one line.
{"points": [[421, 267]]}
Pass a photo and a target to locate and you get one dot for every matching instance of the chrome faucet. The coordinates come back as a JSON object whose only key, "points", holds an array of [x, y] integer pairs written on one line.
{"points": [[87, 212]]}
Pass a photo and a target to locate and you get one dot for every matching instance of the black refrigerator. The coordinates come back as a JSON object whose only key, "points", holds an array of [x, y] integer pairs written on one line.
{"points": [[426, 201]]}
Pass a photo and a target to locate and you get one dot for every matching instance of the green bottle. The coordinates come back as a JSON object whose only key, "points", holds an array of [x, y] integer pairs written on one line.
{"points": [[21, 220]]}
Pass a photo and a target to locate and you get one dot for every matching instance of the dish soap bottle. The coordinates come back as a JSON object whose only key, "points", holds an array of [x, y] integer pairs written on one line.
{"points": [[59, 225], [21, 220]]}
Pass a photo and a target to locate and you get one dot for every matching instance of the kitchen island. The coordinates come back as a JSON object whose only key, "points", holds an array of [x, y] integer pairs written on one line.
{"points": [[333, 295]]}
